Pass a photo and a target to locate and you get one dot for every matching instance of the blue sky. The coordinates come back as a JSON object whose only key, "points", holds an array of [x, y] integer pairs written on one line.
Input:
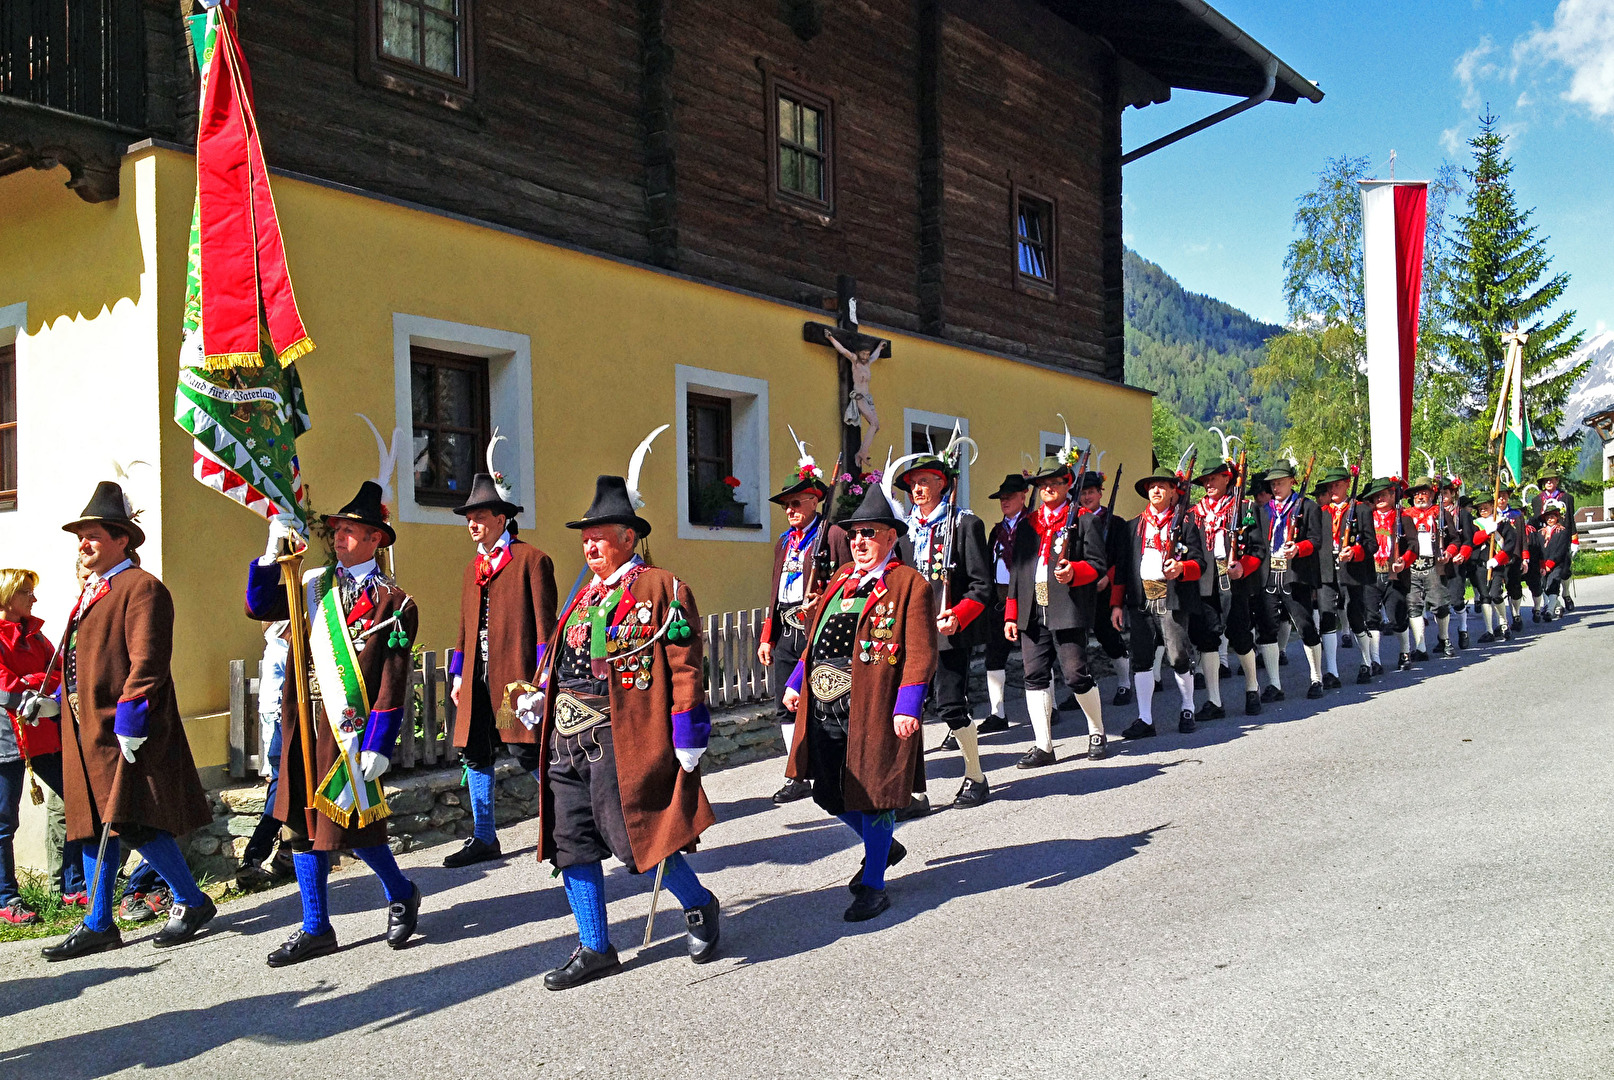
{"points": [[1216, 209]]}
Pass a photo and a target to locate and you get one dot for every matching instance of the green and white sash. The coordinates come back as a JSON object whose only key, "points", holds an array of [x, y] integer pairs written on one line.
{"points": [[347, 709]]}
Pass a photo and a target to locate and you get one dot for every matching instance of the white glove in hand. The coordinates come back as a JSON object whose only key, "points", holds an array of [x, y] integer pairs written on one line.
{"points": [[689, 758], [372, 765], [280, 527], [530, 708], [1491, 564], [36, 705], [129, 745]]}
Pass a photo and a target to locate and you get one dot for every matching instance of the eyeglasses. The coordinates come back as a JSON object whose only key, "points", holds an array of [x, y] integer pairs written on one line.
{"points": [[863, 534]]}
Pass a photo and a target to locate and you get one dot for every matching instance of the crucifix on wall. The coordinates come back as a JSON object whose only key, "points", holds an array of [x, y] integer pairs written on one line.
{"points": [[857, 354]]}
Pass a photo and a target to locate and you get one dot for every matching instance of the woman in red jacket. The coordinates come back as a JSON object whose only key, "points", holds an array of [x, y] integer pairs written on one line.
{"points": [[24, 654]]}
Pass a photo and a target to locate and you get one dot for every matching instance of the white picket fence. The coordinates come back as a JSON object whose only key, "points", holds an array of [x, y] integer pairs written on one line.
{"points": [[734, 676]]}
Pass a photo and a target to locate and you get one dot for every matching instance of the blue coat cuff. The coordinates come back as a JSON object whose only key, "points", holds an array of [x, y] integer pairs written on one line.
{"points": [[910, 699], [263, 586], [796, 676], [692, 729], [130, 719], [543, 647], [456, 662], [382, 731]]}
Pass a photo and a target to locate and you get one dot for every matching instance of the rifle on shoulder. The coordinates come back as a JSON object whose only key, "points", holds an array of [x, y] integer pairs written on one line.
{"points": [[819, 556]]}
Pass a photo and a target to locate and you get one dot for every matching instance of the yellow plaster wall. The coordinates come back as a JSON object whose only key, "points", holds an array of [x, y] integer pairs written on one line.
{"points": [[605, 339]]}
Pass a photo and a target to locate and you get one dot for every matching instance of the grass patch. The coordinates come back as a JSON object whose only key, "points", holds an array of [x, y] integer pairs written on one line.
{"points": [[1594, 563], [56, 918]]}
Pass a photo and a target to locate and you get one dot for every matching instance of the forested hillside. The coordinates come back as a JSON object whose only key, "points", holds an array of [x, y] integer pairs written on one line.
{"points": [[1196, 353]]}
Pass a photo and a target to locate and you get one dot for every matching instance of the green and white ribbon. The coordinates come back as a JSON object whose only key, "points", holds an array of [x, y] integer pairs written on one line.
{"points": [[347, 709]]}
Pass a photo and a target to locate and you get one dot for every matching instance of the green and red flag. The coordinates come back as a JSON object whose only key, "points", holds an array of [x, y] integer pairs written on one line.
{"points": [[239, 396], [1510, 424]]}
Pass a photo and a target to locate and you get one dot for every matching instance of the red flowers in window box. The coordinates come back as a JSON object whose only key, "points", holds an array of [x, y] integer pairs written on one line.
{"points": [[732, 482]]}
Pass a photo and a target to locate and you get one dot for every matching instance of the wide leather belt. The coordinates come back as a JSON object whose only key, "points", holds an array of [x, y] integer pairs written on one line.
{"points": [[576, 713], [1279, 563], [829, 682], [1221, 566], [1423, 562], [1154, 590], [72, 703], [795, 618], [1042, 594]]}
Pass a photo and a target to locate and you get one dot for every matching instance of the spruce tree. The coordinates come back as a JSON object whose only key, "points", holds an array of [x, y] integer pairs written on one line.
{"points": [[1496, 283]]}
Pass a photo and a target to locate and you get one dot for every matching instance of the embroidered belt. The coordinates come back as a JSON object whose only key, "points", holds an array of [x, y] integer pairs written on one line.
{"points": [[1381, 566], [1042, 594], [1154, 590], [1221, 566], [72, 702], [795, 618], [1279, 563], [576, 713], [829, 682], [1423, 562]]}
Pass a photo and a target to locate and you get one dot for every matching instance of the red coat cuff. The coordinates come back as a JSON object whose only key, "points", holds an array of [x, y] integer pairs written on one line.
{"points": [[767, 629], [1465, 551], [1501, 557], [1084, 574], [1547, 564], [1304, 548], [1250, 563], [966, 610], [1117, 595], [1191, 570]]}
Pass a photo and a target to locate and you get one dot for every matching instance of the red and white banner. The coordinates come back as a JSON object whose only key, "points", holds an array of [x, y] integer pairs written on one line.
{"points": [[1392, 281]]}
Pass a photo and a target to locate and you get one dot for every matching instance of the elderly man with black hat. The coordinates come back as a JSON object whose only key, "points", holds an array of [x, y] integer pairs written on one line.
{"points": [[1165, 562], [357, 627], [1457, 524], [126, 764], [1552, 492], [1555, 556], [625, 723], [1236, 550], [946, 543], [1053, 594], [507, 616], [859, 692], [1296, 540], [804, 556], [1011, 499]]}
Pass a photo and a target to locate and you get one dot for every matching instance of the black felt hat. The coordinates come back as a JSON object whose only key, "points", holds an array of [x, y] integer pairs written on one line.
{"points": [[611, 506], [1219, 467], [1013, 484], [875, 509], [1091, 479], [109, 506], [485, 495], [366, 508], [799, 485]]}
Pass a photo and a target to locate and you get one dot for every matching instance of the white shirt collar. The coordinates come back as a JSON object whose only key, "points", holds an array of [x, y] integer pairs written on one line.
{"points": [[1011, 520], [362, 571], [501, 542], [617, 575], [869, 575], [95, 578]]}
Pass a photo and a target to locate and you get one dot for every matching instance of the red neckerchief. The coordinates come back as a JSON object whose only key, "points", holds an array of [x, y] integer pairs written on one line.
{"points": [[1048, 525], [488, 568], [1337, 511], [1384, 531], [1215, 515], [1159, 520], [1424, 517]]}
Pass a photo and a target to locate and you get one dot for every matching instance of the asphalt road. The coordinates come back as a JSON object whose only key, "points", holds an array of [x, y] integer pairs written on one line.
{"points": [[1412, 882]]}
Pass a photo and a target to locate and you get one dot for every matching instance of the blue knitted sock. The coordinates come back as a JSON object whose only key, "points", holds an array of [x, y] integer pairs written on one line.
{"points": [[877, 830], [480, 781], [313, 871], [585, 891], [165, 857], [855, 820], [682, 883], [99, 917], [379, 858]]}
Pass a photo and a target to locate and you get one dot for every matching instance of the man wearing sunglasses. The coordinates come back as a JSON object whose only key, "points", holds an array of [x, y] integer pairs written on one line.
{"points": [[859, 691]]}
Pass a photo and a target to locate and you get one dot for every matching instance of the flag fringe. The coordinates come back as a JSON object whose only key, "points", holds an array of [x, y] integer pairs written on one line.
{"points": [[296, 351]]}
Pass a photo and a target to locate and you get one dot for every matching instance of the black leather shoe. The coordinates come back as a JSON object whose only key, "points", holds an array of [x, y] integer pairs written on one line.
{"points": [[1185, 723], [1283, 659], [1314, 691], [1535, 616], [1486, 638], [972, 793], [1252, 703], [1446, 649], [704, 928], [1347, 641], [401, 919], [1364, 674], [584, 966], [866, 905], [992, 725], [83, 941], [1507, 635], [949, 743], [1123, 696], [1223, 671], [1139, 730], [1463, 641], [1518, 624], [473, 851], [917, 807], [892, 858], [1569, 603], [1210, 711], [1199, 680], [1403, 662], [1097, 748], [1271, 693], [1378, 669], [184, 920], [793, 791], [1419, 655], [303, 946], [1035, 758], [1331, 681]]}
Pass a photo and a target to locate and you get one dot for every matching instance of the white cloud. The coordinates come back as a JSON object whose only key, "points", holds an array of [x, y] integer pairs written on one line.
{"points": [[1581, 39], [1472, 68], [1452, 139]]}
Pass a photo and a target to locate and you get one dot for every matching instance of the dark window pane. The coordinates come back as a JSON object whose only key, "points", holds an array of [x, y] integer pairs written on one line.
{"points": [[420, 388], [457, 460], [456, 403], [425, 477], [789, 169], [788, 112], [441, 48], [812, 176], [400, 30], [811, 128], [8, 459]]}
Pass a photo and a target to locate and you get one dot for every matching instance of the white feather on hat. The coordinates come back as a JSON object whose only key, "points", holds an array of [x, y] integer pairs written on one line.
{"points": [[387, 455], [636, 466]]}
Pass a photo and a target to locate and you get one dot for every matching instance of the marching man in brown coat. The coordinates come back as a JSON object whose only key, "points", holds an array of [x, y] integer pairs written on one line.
{"points": [[358, 629], [859, 692], [126, 764], [507, 615], [625, 725]]}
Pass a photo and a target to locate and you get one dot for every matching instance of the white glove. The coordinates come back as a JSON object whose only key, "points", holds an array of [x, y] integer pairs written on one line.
{"points": [[36, 705], [689, 758], [129, 745], [372, 765], [1491, 564], [530, 709], [280, 527]]}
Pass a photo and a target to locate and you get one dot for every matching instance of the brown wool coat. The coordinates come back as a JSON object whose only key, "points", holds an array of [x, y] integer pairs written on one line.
{"points": [[385, 671], [664, 807], [521, 613], [125, 644], [882, 771]]}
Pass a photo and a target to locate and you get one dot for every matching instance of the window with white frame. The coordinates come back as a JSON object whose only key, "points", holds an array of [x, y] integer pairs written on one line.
{"points": [[722, 425], [1054, 441], [930, 432], [431, 360]]}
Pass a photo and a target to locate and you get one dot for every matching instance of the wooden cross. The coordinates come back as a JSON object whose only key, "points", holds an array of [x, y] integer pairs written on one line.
{"points": [[847, 332]]}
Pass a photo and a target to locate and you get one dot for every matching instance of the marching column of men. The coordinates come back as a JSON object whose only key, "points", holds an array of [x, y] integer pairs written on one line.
{"points": [[871, 619]]}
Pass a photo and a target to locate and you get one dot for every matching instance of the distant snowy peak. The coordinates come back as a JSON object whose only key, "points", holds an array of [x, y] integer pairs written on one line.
{"points": [[1594, 391]]}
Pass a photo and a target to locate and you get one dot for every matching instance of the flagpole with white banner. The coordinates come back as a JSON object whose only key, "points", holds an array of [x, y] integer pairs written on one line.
{"points": [[1393, 214]]}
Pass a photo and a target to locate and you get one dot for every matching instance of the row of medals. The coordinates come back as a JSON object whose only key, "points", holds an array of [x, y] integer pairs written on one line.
{"points": [[634, 670], [882, 632]]}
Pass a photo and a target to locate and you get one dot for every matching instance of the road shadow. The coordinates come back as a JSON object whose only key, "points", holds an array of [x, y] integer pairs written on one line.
{"points": [[18, 996]]}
